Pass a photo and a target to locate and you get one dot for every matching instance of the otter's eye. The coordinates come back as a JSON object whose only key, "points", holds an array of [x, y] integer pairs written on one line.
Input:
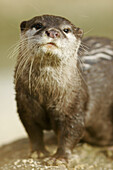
{"points": [[37, 26], [67, 30]]}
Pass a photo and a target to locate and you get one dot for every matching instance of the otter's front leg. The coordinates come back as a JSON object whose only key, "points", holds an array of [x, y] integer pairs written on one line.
{"points": [[35, 134], [31, 115], [69, 129]]}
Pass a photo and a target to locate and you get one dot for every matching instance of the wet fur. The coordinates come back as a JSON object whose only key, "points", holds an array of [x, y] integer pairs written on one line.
{"points": [[50, 90], [99, 115]]}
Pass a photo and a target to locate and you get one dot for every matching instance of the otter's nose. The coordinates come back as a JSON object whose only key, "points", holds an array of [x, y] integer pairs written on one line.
{"points": [[52, 33]]}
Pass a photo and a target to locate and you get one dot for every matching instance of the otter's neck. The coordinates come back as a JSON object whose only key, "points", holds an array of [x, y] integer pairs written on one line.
{"points": [[62, 75]]}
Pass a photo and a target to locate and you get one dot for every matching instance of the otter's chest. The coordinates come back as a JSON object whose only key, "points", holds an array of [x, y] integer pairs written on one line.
{"points": [[50, 88]]}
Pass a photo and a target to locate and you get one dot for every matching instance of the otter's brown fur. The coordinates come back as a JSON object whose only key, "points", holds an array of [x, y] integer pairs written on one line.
{"points": [[51, 93], [98, 68], [50, 90]]}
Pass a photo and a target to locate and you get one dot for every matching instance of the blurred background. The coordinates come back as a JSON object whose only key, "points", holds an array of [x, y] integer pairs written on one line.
{"points": [[95, 17]]}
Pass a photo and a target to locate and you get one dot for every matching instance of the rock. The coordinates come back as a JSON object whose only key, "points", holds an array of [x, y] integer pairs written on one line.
{"points": [[14, 156]]}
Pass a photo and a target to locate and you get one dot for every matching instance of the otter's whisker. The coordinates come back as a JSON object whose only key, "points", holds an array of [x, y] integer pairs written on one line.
{"points": [[30, 72], [88, 31], [84, 45], [82, 48], [17, 45], [20, 65]]}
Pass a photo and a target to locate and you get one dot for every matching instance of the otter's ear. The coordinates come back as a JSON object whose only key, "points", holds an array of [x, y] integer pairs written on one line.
{"points": [[79, 32], [23, 25]]}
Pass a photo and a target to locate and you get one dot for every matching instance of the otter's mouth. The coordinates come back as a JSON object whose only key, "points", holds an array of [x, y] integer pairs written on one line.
{"points": [[51, 45]]}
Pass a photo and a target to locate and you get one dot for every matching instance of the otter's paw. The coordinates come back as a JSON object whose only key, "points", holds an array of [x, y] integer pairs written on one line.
{"points": [[57, 159], [39, 154], [54, 161]]}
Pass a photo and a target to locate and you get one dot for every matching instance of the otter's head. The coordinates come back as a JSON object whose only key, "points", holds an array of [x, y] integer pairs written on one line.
{"points": [[49, 35]]}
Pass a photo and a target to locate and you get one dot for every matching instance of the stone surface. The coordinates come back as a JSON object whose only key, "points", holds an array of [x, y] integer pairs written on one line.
{"points": [[14, 156]]}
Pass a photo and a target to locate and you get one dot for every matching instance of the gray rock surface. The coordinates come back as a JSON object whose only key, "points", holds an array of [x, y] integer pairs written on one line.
{"points": [[14, 156]]}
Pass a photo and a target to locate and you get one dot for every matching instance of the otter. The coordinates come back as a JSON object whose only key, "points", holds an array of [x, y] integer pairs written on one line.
{"points": [[53, 92], [98, 71], [50, 90]]}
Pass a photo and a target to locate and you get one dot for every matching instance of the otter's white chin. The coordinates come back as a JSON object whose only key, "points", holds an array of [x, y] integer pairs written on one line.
{"points": [[53, 50]]}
